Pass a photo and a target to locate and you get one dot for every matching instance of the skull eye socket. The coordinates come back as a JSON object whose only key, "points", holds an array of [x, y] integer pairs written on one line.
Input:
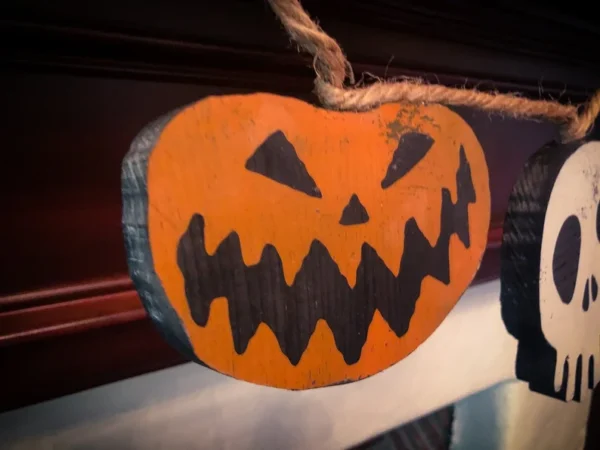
{"points": [[565, 261], [411, 149], [276, 158]]}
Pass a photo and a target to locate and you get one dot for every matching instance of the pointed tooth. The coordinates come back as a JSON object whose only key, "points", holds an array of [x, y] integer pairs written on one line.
{"points": [[571, 378], [558, 371]]}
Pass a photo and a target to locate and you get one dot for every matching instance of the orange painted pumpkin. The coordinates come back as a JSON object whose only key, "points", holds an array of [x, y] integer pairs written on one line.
{"points": [[296, 247]]}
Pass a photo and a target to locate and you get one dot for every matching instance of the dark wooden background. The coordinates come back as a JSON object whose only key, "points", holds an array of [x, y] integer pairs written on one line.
{"points": [[80, 79]]}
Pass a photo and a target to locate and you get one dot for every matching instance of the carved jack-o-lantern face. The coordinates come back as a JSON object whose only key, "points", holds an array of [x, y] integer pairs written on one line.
{"points": [[301, 247]]}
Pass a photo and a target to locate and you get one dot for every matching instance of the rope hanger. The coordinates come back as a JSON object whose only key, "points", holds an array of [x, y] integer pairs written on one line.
{"points": [[332, 68]]}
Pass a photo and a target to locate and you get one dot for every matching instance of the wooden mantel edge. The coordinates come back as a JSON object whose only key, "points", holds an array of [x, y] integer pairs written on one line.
{"points": [[69, 316], [64, 293]]}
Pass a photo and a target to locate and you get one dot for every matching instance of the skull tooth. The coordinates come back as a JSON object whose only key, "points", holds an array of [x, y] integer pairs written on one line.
{"points": [[591, 372], [561, 359], [571, 377]]}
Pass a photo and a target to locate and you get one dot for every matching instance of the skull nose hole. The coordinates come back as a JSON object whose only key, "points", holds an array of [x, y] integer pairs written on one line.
{"points": [[354, 212]]}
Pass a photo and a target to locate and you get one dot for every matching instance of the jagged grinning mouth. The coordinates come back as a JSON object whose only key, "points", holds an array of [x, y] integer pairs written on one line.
{"points": [[259, 294]]}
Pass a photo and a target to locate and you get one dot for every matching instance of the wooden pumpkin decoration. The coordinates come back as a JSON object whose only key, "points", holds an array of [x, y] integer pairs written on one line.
{"points": [[551, 270], [297, 247]]}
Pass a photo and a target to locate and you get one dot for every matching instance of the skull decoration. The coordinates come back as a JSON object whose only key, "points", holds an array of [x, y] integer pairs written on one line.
{"points": [[551, 270], [297, 247]]}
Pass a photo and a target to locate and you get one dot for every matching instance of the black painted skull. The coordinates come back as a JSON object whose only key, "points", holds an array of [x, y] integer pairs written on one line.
{"points": [[570, 268]]}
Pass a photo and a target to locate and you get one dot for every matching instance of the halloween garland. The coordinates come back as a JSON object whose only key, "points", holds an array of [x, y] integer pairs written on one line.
{"points": [[298, 247], [332, 69]]}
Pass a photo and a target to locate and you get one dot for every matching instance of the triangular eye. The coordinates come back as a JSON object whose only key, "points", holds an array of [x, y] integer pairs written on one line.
{"points": [[277, 159], [412, 148]]}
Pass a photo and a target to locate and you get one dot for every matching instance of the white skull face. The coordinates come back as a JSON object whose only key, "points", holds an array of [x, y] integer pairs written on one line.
{"points": [[570, 269]]}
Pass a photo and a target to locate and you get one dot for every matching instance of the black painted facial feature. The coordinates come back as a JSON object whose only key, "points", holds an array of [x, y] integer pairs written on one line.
{"points": [[259, 293], [354, 213], [586, 296], [565, 262], [591, 372], [598, 222], [277, 159], [412, 148]]}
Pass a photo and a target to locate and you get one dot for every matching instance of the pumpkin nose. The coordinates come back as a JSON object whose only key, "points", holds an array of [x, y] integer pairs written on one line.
{"points": [[354, 213]]}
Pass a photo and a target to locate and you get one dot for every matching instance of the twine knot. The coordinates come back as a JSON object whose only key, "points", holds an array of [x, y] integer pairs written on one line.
{"points": [[332, 69]]}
